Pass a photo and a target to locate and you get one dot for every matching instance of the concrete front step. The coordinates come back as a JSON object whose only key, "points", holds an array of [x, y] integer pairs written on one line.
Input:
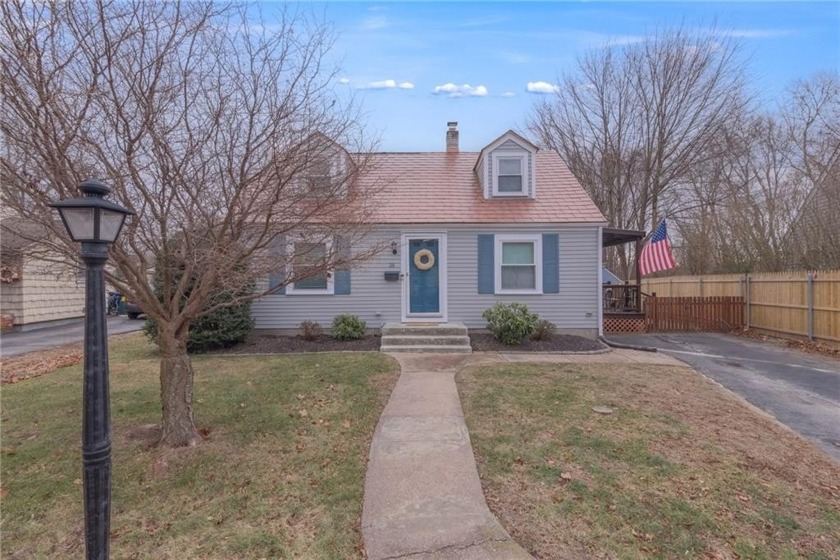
{"points": [[427, 340], [425, 337], [428, 348], [426, 329]]}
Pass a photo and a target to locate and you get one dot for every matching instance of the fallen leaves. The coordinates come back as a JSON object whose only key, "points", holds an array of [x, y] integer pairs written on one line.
{"points": [[36, 364], [642, 536], [803, 345]]}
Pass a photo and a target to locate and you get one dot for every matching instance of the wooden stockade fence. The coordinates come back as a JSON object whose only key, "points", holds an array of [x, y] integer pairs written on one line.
{"points": [[800, 303], [706, 314]]}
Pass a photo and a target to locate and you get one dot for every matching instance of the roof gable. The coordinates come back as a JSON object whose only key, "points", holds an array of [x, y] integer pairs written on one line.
{"points": [[510, 135]]}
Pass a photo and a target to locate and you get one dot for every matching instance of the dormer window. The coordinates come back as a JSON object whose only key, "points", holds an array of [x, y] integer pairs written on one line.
{"points": [[325, 172], [505, 168], [509, 174], [319, 179]]}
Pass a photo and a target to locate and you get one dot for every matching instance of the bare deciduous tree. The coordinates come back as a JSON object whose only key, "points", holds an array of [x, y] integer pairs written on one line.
{"points": [[633, 122], [769, 200], [202, 118], [812, 117]]}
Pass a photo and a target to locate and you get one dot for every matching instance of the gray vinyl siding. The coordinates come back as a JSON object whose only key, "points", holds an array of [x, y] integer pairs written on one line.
{"points": [[578, 246], [376, 301], [371, 298]]}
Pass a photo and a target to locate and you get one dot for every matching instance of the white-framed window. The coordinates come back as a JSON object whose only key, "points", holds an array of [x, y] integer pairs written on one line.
{"points": [[325, 175], [309, 268], [319, 178], [510, 177], [518, 263]]}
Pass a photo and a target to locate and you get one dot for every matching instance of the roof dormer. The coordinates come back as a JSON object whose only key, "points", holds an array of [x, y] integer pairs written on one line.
{"points": [[505, 168], [327, 166]]}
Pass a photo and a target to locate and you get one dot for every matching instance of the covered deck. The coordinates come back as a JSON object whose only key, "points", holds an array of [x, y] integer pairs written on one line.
{"points": [[622, 303]]}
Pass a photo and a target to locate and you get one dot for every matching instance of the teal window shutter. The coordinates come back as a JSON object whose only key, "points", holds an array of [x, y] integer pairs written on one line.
{"points": [[274, 280], [486, 270], [341, 285], [278, 248], [551, 263]]}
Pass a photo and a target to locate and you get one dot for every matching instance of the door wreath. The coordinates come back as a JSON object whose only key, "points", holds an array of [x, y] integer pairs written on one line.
{"points": [[424, 259]]}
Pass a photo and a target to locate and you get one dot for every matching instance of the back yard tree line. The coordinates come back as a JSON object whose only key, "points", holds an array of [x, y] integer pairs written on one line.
{"points": [[669, 127]]}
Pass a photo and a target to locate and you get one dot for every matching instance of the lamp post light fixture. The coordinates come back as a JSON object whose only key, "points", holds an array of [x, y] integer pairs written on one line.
{"points": [[95, 223]]}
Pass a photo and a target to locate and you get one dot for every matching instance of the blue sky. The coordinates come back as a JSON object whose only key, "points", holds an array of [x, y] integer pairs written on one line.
{"points": [[408, 62]]}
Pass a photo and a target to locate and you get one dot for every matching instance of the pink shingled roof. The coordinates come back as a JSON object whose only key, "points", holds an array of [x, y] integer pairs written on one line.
{"points": [[441, 187]]}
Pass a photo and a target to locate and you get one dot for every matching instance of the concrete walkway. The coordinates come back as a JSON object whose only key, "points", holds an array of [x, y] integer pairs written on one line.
{"points": [[423, 497]]}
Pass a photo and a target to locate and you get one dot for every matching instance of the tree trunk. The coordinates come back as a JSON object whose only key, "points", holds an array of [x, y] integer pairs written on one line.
{"points": [[176, 391]]}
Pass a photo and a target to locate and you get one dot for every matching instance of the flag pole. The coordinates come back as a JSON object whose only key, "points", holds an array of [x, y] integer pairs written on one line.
{"points": [[653, 229]]}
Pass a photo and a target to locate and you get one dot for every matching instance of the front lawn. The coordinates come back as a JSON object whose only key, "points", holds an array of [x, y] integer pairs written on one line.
{"points": [[680, 469], [280, 473]]}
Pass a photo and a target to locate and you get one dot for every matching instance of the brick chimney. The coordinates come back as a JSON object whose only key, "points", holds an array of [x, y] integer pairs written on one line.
{"points": [[452, 136]]}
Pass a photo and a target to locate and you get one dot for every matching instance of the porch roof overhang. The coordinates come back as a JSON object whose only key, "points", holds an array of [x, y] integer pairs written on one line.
{"points": [[614, 236]]}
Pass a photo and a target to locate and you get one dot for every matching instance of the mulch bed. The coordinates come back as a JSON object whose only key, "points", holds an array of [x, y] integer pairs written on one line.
{"points": [[486, 342], [278, 344], [480, 342], [36, 364]]}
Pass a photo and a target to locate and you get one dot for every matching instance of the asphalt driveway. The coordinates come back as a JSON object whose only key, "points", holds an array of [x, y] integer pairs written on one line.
{"points": [[800, 390], [16, 343]]}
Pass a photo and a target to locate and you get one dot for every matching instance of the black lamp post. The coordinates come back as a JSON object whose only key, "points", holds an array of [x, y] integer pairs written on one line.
{"points": [[95, 223]]}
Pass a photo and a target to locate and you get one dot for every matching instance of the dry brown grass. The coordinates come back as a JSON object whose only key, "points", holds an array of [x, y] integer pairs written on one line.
{"points": [[680, 469], [280, 473]]}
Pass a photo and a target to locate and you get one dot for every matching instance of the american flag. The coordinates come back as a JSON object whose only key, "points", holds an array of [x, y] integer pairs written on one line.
{"points": [[656, 254]]}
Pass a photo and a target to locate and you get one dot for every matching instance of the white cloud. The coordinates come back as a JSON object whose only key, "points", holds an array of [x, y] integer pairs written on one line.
{"points": [[381, 84], [466, 90], [508, 94], [386, 84], [541, 87], [344, 81]]}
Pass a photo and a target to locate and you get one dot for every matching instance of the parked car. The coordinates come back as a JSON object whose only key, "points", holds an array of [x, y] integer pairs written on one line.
{"points": [[132, 310]]}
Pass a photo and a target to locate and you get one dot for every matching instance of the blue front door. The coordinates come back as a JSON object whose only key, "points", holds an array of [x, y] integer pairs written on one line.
{"points": [[424, 276]]}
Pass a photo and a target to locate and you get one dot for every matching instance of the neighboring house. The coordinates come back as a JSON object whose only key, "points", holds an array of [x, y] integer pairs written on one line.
{"points": [[462, 231], [37, 287], [608, 277]]}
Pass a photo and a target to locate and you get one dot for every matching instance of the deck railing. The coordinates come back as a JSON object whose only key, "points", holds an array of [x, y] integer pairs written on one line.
{"points": [[622, 298]]}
